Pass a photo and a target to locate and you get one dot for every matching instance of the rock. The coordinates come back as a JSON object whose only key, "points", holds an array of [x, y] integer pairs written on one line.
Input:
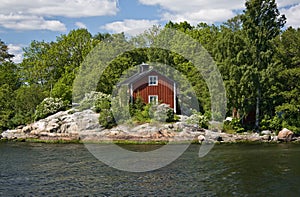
{"points": [[212, 135], [27, 129], [21, 127], [266, 132], [201, 138], [274, 138], [52, 128], [219, 139], [266, 137], [285, 135]]}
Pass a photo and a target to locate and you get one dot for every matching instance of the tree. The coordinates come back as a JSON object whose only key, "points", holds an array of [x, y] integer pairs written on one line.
{"points": [[8, 84], [262, 23], [4, 54]]}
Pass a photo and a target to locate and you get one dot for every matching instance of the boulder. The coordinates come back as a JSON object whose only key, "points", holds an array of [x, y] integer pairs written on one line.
{"points": [[266, 137], [27, 129], [285, 135], [266, 132], [201, 138], [274, 138]]}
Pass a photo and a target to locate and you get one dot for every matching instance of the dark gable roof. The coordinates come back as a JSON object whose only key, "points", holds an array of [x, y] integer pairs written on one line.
{"points": [[138, 76]]}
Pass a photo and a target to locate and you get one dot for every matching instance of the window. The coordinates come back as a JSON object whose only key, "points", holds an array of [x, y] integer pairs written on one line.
{"points": [[153, 99], [153, 80]]}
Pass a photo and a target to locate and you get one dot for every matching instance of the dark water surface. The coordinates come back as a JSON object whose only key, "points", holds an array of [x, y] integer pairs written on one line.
{"points": [[33, 169]]}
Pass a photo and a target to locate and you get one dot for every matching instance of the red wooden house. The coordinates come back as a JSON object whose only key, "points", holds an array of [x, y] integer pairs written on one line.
{"points": [[152, 87]]}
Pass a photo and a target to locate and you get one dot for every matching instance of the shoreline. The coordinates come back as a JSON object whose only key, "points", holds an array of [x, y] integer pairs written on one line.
{"points": [[138, 142], [83, 127]]}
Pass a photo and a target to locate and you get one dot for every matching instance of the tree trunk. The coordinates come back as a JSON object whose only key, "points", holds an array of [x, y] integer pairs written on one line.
{"points": [[257, 110]]}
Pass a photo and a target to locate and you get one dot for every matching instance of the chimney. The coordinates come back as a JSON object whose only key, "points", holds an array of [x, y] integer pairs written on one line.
{"points": [[144, 67]]}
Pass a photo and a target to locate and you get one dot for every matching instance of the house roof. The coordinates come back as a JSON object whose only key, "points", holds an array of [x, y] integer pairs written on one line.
{"points": [[138, 76]]}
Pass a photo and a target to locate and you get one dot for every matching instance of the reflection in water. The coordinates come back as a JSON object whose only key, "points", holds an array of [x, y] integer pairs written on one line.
{"points": [[228, 170]]}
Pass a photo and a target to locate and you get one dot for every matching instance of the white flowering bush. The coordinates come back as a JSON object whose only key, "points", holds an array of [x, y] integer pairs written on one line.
{"points": [[198, 119], [95, 101], [48, 107], [162, 113], [100, 103]]}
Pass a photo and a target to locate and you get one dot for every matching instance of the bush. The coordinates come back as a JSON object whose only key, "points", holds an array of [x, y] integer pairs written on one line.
{"points": [[233, 126], [48, 107], [141, 112], [95, 101], [273, 124], [100, 103], [197, 118], [106, 118], [162, 113], [287, 116]]}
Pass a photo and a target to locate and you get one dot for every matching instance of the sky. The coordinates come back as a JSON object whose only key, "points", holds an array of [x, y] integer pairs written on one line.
{"points": [[24, 21]]}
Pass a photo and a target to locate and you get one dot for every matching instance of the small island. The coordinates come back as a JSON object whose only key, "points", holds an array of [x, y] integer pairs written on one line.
{"points": [[255, 57]]}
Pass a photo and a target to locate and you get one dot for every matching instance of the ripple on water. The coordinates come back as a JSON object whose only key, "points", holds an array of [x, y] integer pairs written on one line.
{"points": [[228, 170]]}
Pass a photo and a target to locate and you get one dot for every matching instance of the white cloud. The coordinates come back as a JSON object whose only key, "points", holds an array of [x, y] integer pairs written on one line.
{"points": [[195, 11], [130, 27], [212, 11], [292, 15], [80, 25], [32, 14], [208, 16], [66, 8], [284, 3], [195, 5], [17, 51], [27, 22]]}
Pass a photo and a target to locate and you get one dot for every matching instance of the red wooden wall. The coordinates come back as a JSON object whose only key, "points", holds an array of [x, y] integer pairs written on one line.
{"points": [[164, 89]]}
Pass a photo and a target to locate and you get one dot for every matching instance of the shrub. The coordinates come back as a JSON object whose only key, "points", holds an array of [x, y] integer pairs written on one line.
{"points": [[106, 118], [95, 101], [162, 113], [141, 112], [289, 116], [100, 103], [48, 107], [233, 126], [197, 118], [273, 124]]}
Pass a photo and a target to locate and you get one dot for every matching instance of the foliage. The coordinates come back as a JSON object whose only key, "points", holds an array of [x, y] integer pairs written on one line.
{"points": [[198, 119], [8, 84], [106, 118], [163, 113], [5, 56], [89, 101], [100, 103], [289, 115], [262, 23], [234, 125], [273, 124], [48, 107], [141, 112], [26, 100]]}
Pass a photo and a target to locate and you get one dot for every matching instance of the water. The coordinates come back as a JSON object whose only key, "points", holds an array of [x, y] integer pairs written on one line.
{"points": [[33, 169]]}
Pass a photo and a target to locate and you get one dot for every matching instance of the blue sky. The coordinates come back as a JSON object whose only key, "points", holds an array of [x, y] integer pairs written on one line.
{"points": [[22, 22]]}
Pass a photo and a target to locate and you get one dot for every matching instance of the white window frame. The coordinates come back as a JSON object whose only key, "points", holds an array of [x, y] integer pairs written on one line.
{"points": [[156, 99], [150, 80]]}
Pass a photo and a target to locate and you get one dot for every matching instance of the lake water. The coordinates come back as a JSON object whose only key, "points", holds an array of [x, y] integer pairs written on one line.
{"points": [[33, 169]]}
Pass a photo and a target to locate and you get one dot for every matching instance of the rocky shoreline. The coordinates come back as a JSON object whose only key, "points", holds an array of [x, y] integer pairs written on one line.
{"points": [[76, 126]]}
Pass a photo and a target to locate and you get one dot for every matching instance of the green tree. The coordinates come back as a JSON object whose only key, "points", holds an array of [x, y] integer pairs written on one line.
{"points": [[9, 82], [4, 54], [262, 23]]}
